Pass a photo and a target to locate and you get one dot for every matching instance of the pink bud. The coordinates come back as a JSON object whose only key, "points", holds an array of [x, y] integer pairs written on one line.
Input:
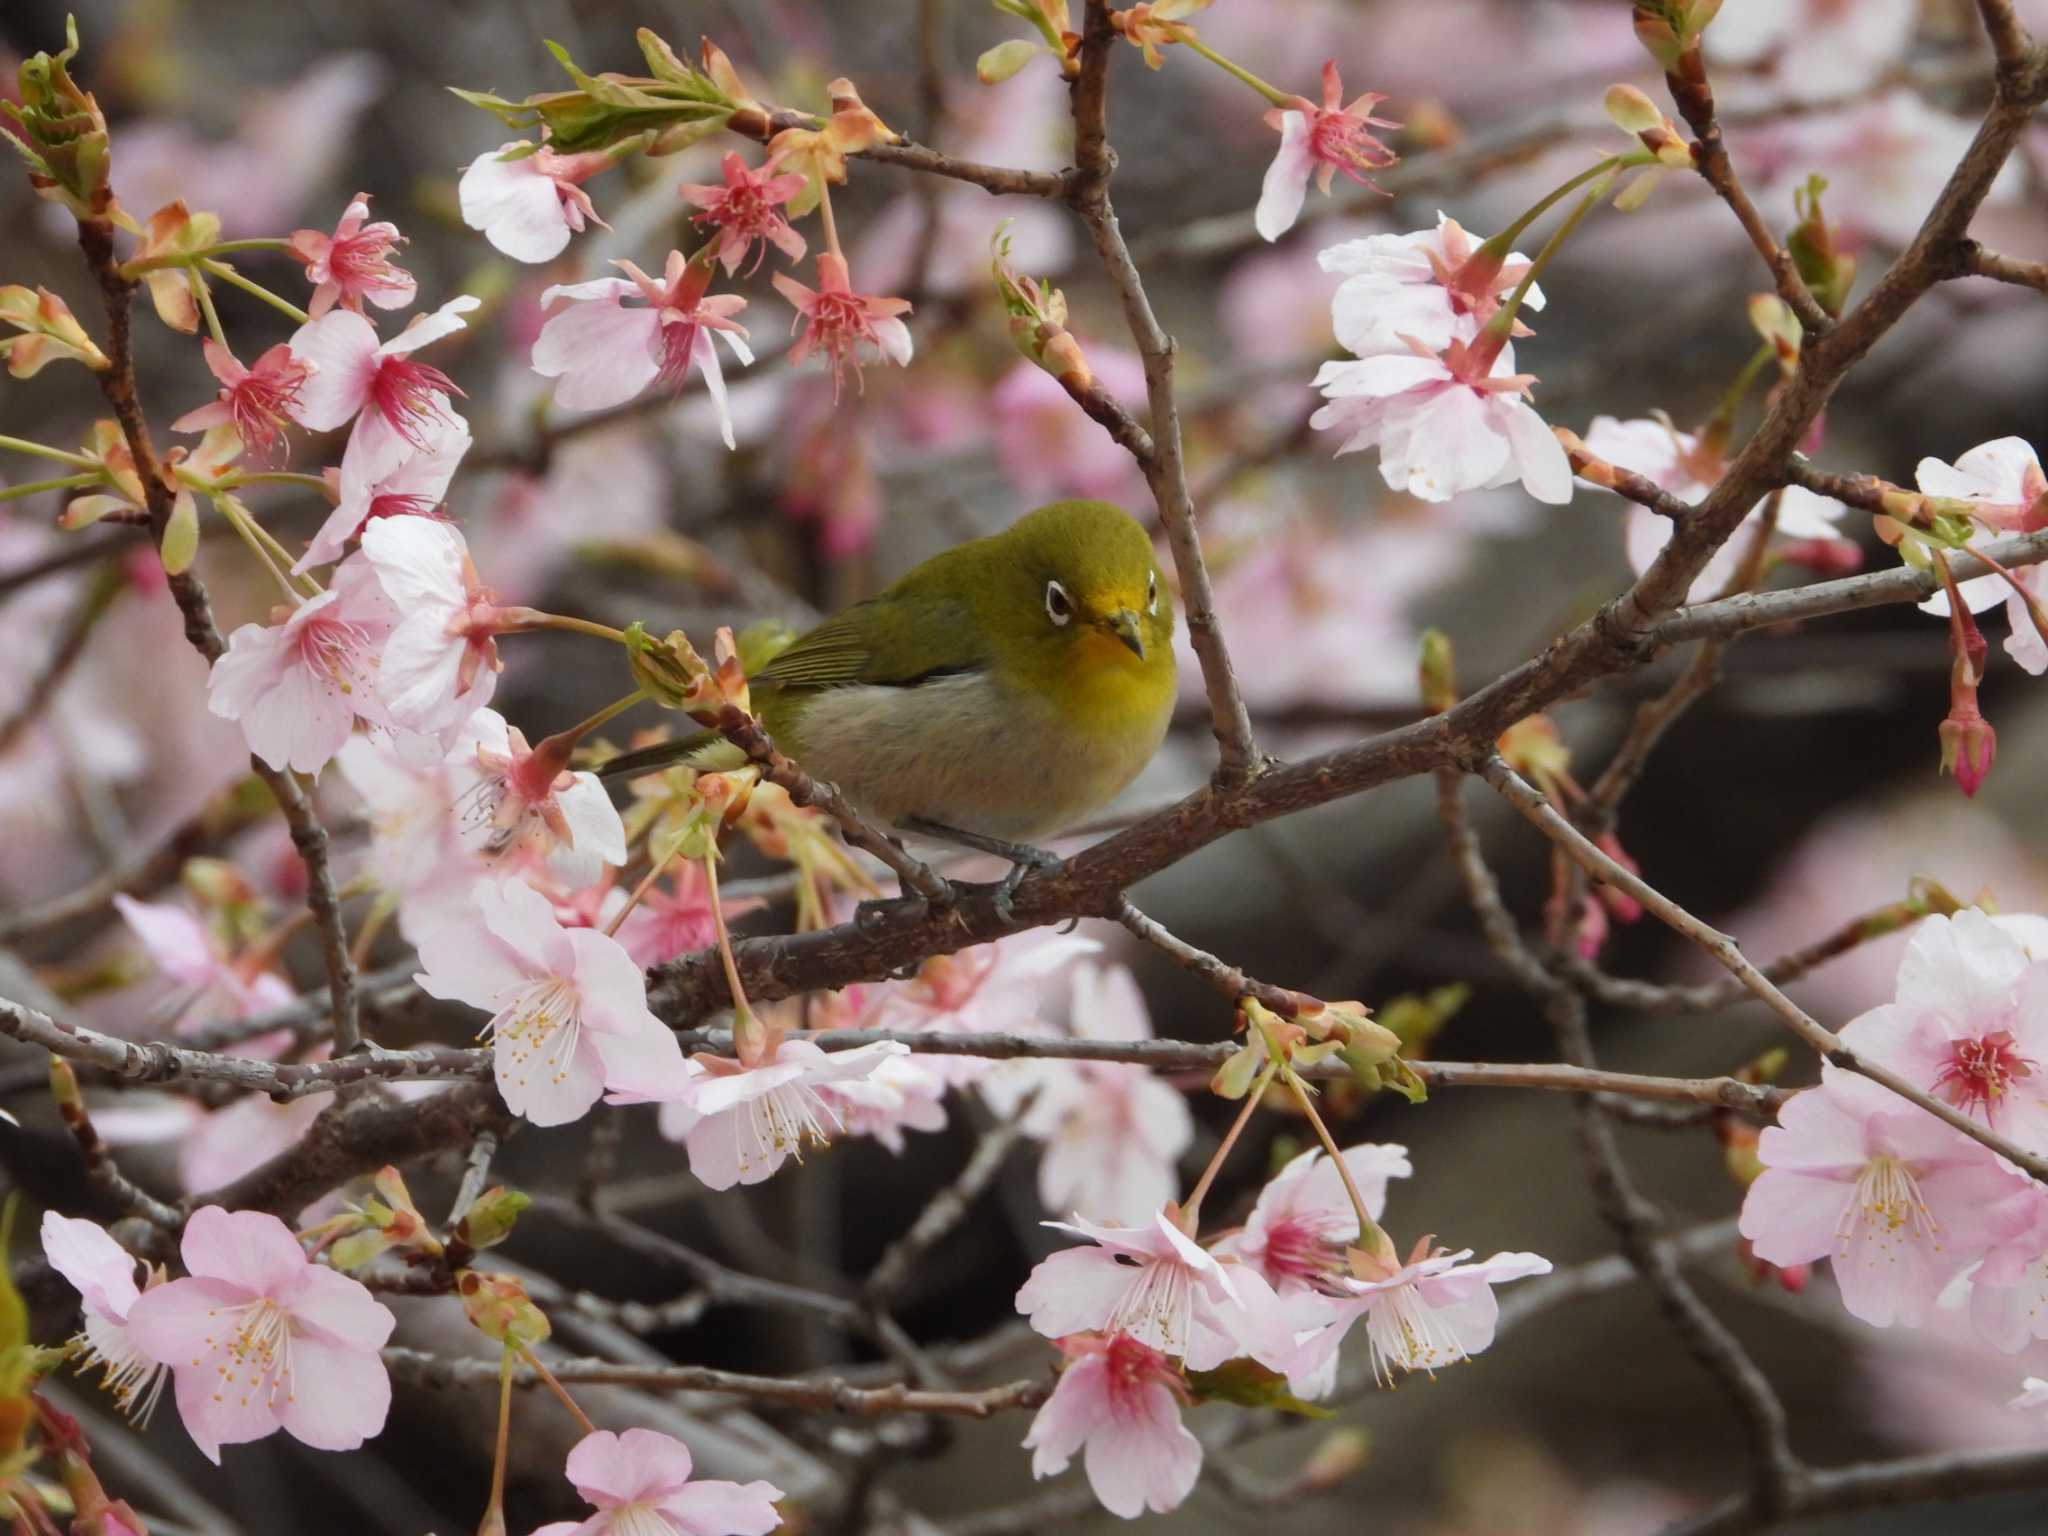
{"points": [[1824, 557], [1968, 743]]}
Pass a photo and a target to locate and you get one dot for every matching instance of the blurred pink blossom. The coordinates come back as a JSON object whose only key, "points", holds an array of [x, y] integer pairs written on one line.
{"points": [[1814, 50], [214, 985], [1049, 447], [1119, 1403]]}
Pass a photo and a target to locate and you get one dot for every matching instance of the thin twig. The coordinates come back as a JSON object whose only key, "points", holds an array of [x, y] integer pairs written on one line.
{"points": [[1224, 977], [945, 1211]]}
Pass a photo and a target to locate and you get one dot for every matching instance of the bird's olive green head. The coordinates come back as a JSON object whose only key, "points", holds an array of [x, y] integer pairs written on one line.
{"points": [[1075, 585]]}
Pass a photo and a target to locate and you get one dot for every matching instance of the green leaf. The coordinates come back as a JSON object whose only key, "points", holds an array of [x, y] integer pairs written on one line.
{"points": [[1251, 1385]]}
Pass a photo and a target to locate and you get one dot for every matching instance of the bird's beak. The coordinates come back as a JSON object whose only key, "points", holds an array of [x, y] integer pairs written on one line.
{"points": [[1124, 625]]}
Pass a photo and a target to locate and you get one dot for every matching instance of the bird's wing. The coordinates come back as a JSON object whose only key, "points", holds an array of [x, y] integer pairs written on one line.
{"points": [[884, 642]]}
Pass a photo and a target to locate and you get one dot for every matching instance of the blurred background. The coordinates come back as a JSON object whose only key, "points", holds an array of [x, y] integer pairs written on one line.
{"points": [[1801, 792]]}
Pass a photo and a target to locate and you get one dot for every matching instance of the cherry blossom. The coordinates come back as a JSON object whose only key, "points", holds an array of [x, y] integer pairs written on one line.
{"points": [[1688, 467], [569, 1017], [1969, 1024], [354, 263], [1899, 1201], [420, 851], [675, 919], [414, 487], [740, 1123], [1113, 1132], [605, 353], [298, 687], [1817, 49], [2008, 1292], [1152, 1282], [1324, 140], [218, 987], [103, 1274], [223, 1144], [842, 324], [259, 1339], [399, 406], [640, 1483], [441, 662], [1430, 1312], [528, 205], [1444, 425], [903, 1093], [254, 401], [747, 208], [1119, 1403], [999, 988], [509, 797], [1303, 1220], [2002, 479], [1426, 286]]}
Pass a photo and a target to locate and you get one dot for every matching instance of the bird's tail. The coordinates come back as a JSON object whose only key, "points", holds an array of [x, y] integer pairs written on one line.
{"points": [[663, 754]]}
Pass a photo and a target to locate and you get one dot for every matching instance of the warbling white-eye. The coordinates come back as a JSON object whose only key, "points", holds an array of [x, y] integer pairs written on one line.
{"points": [[1005, 689]]}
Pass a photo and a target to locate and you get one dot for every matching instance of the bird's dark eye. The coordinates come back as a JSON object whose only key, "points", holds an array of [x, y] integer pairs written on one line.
{"points": [[1058, 606], [1152, 593]]}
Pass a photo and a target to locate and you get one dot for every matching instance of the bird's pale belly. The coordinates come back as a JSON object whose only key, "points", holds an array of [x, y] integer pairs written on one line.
{"points": [[958, 751]]}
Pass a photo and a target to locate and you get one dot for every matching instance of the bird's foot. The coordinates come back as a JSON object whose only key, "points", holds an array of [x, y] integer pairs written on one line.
{"points": [[870, 916], [1024, 859]]}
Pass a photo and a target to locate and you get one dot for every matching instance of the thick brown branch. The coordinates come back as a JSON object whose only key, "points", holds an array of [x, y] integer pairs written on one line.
{"points": [[117, 383], [1165, 470]]}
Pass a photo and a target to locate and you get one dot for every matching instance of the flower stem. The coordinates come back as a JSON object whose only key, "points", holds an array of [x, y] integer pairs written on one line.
{"points": [[548, 1378], [2019, 590], [276, 477], [144, 264], [262, 545], [228, 274], [527, 620], [825, 218], [1724, 411], [1272, 93], [1369, 1232], [616, 707], [750, 1043], [1191, 1208], [647, 880], [1502, 323], [496, 1507], [61, 483], [1556, 195], [44, 451], [205, 298]]}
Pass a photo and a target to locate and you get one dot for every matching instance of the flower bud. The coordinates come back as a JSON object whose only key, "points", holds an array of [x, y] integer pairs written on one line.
{"points": [[1635, 114], [676, 677], [1005, 59], [63, 134], [490, 1219], [174, 231], [1825, 268], [1438, 672], [1968, 743], [1773, 320], [1340, 1454], [50, 332], [1038, 317], [1670, 29], [1534, 749], [180, 543], [498, 1307]]}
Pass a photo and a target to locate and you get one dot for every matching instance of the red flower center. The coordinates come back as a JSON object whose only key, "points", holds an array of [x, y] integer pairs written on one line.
{"points": [[1980, 1072], [412, 397]]}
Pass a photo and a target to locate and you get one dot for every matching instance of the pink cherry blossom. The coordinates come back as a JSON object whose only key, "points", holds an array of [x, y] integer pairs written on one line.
{"points": [[528, 206], [1815, 49], [255, 401], [103, 1274], [298, 687], [1048, 447], [1688, 467], [259, 1339], [421, 850], [1899, 1201], [842, 324], [1303, 1220], [605, 353], [2003, 481], [2008, 1297], [1425, 286], [215, 985], [511, 798], [1000, 988], [1969, 1024], [745, 209], [1152, 1282], [640, 1482], [1322, 139], [441, 663], [568, 1006], [399, 406], [223, 1144], [903, 1093], [414, 487], [738, 1123], [1444, 425], [1430, 1312], [675, 919], [1113, 1132], [1119, 1403], [354, 263]]}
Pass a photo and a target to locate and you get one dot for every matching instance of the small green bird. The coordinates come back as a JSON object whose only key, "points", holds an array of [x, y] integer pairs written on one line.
{"points": [[1005, 689]]}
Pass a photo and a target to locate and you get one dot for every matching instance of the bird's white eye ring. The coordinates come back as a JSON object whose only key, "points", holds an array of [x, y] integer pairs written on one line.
{"points": [[1058, 606], [1152, 593]]}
